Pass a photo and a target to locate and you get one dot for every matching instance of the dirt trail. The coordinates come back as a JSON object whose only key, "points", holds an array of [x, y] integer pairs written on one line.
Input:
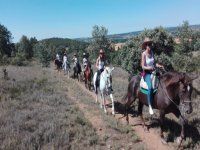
{"points": [[151, 140]]}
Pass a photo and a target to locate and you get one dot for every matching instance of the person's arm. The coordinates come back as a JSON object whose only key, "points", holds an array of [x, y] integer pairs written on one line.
{"points": [[159, 65], [143, 63]]}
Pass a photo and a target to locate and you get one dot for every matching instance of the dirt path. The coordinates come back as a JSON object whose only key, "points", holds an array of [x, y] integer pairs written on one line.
{"points": [[96, 116], [151, 139]]}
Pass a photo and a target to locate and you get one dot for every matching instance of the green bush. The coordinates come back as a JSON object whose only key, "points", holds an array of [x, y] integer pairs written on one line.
{"points": [[19, 60]]}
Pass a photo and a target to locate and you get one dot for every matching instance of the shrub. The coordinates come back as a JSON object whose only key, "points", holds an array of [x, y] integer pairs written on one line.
{"points": [[19, 60]]}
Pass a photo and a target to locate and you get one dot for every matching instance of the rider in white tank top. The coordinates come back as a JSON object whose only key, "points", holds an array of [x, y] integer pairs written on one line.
{"points": [[101, 64], [149, 61]]}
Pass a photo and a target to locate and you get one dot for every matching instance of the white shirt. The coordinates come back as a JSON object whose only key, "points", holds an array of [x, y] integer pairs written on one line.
{"points": [[101, 64], [85, 61], [149, 61], [57, 56], [64, 59]]}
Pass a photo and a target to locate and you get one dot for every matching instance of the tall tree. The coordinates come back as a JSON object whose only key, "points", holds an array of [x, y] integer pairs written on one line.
{"points": [[185, 35], [99, 40], [5, 41], [25, 47], [129, 56]]}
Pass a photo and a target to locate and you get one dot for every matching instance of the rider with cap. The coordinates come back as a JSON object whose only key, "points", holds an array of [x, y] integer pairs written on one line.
{"points": [[100, 64], [148, 65]]}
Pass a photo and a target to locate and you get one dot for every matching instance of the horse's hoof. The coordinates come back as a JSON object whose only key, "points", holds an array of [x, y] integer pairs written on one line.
{"points": [[113, 113], [179, 140], [163, 141]]}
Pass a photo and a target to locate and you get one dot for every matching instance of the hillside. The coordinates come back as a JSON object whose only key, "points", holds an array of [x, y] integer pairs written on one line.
{"points": [[62, 41], [122, 37]]}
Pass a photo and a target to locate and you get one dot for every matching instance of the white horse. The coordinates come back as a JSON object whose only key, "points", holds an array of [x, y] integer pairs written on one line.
{"points": [[66, 68], [104, 87]]}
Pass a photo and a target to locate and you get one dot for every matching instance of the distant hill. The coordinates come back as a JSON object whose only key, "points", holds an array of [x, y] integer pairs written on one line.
{"points": [[62, 41], [122, 37]]}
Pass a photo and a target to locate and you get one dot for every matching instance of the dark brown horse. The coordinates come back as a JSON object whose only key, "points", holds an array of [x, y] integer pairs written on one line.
{"points": [[88, 76], [77, 71], [174, 90], [58, 64]]}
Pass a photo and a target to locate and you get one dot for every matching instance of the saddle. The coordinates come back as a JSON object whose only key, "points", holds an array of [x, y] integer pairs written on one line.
{"points": [[144, 86]]}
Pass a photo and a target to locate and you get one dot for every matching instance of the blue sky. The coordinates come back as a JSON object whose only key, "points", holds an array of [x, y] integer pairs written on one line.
{"points": [[75, 18]]}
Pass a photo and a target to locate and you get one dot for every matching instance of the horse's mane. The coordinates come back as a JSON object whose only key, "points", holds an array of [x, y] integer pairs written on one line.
{"points": [[168, 75]]}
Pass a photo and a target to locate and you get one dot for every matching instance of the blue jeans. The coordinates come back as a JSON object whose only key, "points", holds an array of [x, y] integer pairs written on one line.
{"points": [[147, 79]]}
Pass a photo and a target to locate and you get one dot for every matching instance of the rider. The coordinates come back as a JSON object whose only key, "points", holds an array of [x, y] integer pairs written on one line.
{"points": [[85, 61], [148, 66], [100, 64], [58, 56], [75, 59], [65, 61]]}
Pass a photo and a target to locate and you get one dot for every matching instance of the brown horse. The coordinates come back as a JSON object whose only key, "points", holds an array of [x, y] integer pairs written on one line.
{"points": [[58, 64], [174, 90], [88, 77]]}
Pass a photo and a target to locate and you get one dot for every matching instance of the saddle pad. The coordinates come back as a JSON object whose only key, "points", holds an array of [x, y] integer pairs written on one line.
{"points": [[144, 91], [144, 85]]}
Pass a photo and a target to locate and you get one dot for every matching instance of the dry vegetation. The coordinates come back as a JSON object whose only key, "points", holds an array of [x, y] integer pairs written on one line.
{"points": [[36, 113]]}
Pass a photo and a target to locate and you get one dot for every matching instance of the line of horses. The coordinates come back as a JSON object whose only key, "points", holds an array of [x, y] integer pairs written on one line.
{"points": [[173, 95]]}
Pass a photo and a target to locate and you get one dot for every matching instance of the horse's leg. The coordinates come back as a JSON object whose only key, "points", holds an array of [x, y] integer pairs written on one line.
{"points": [[177, 113], [68, 74], [85, 80], [113, 104], [104, 103], [140, 107], [162, 116], [101, 99]]}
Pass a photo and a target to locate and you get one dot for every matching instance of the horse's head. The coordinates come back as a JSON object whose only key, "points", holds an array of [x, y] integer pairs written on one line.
{"points": [[184, 89]]}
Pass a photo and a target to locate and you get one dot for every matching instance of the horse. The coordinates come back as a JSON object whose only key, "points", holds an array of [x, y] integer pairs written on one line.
{"points": [[66, 67], [174, 90], [77, 71], [58, 64], [88, 76], [104, 87]]}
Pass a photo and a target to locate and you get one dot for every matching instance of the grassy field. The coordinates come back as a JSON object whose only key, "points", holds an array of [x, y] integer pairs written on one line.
{"points": [[36, 113]]}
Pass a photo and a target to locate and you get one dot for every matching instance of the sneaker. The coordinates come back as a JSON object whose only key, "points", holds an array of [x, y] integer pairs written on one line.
{"points": [[150, 110]]}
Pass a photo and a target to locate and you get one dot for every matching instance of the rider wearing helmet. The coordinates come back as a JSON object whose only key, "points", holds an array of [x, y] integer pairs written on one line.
{"points": [[75, 59], [65, 62], [85, 61], [58, 56]]}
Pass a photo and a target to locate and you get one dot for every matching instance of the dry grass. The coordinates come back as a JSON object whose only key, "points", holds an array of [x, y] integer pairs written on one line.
{"points": [[35, 113], [118, 135]]}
